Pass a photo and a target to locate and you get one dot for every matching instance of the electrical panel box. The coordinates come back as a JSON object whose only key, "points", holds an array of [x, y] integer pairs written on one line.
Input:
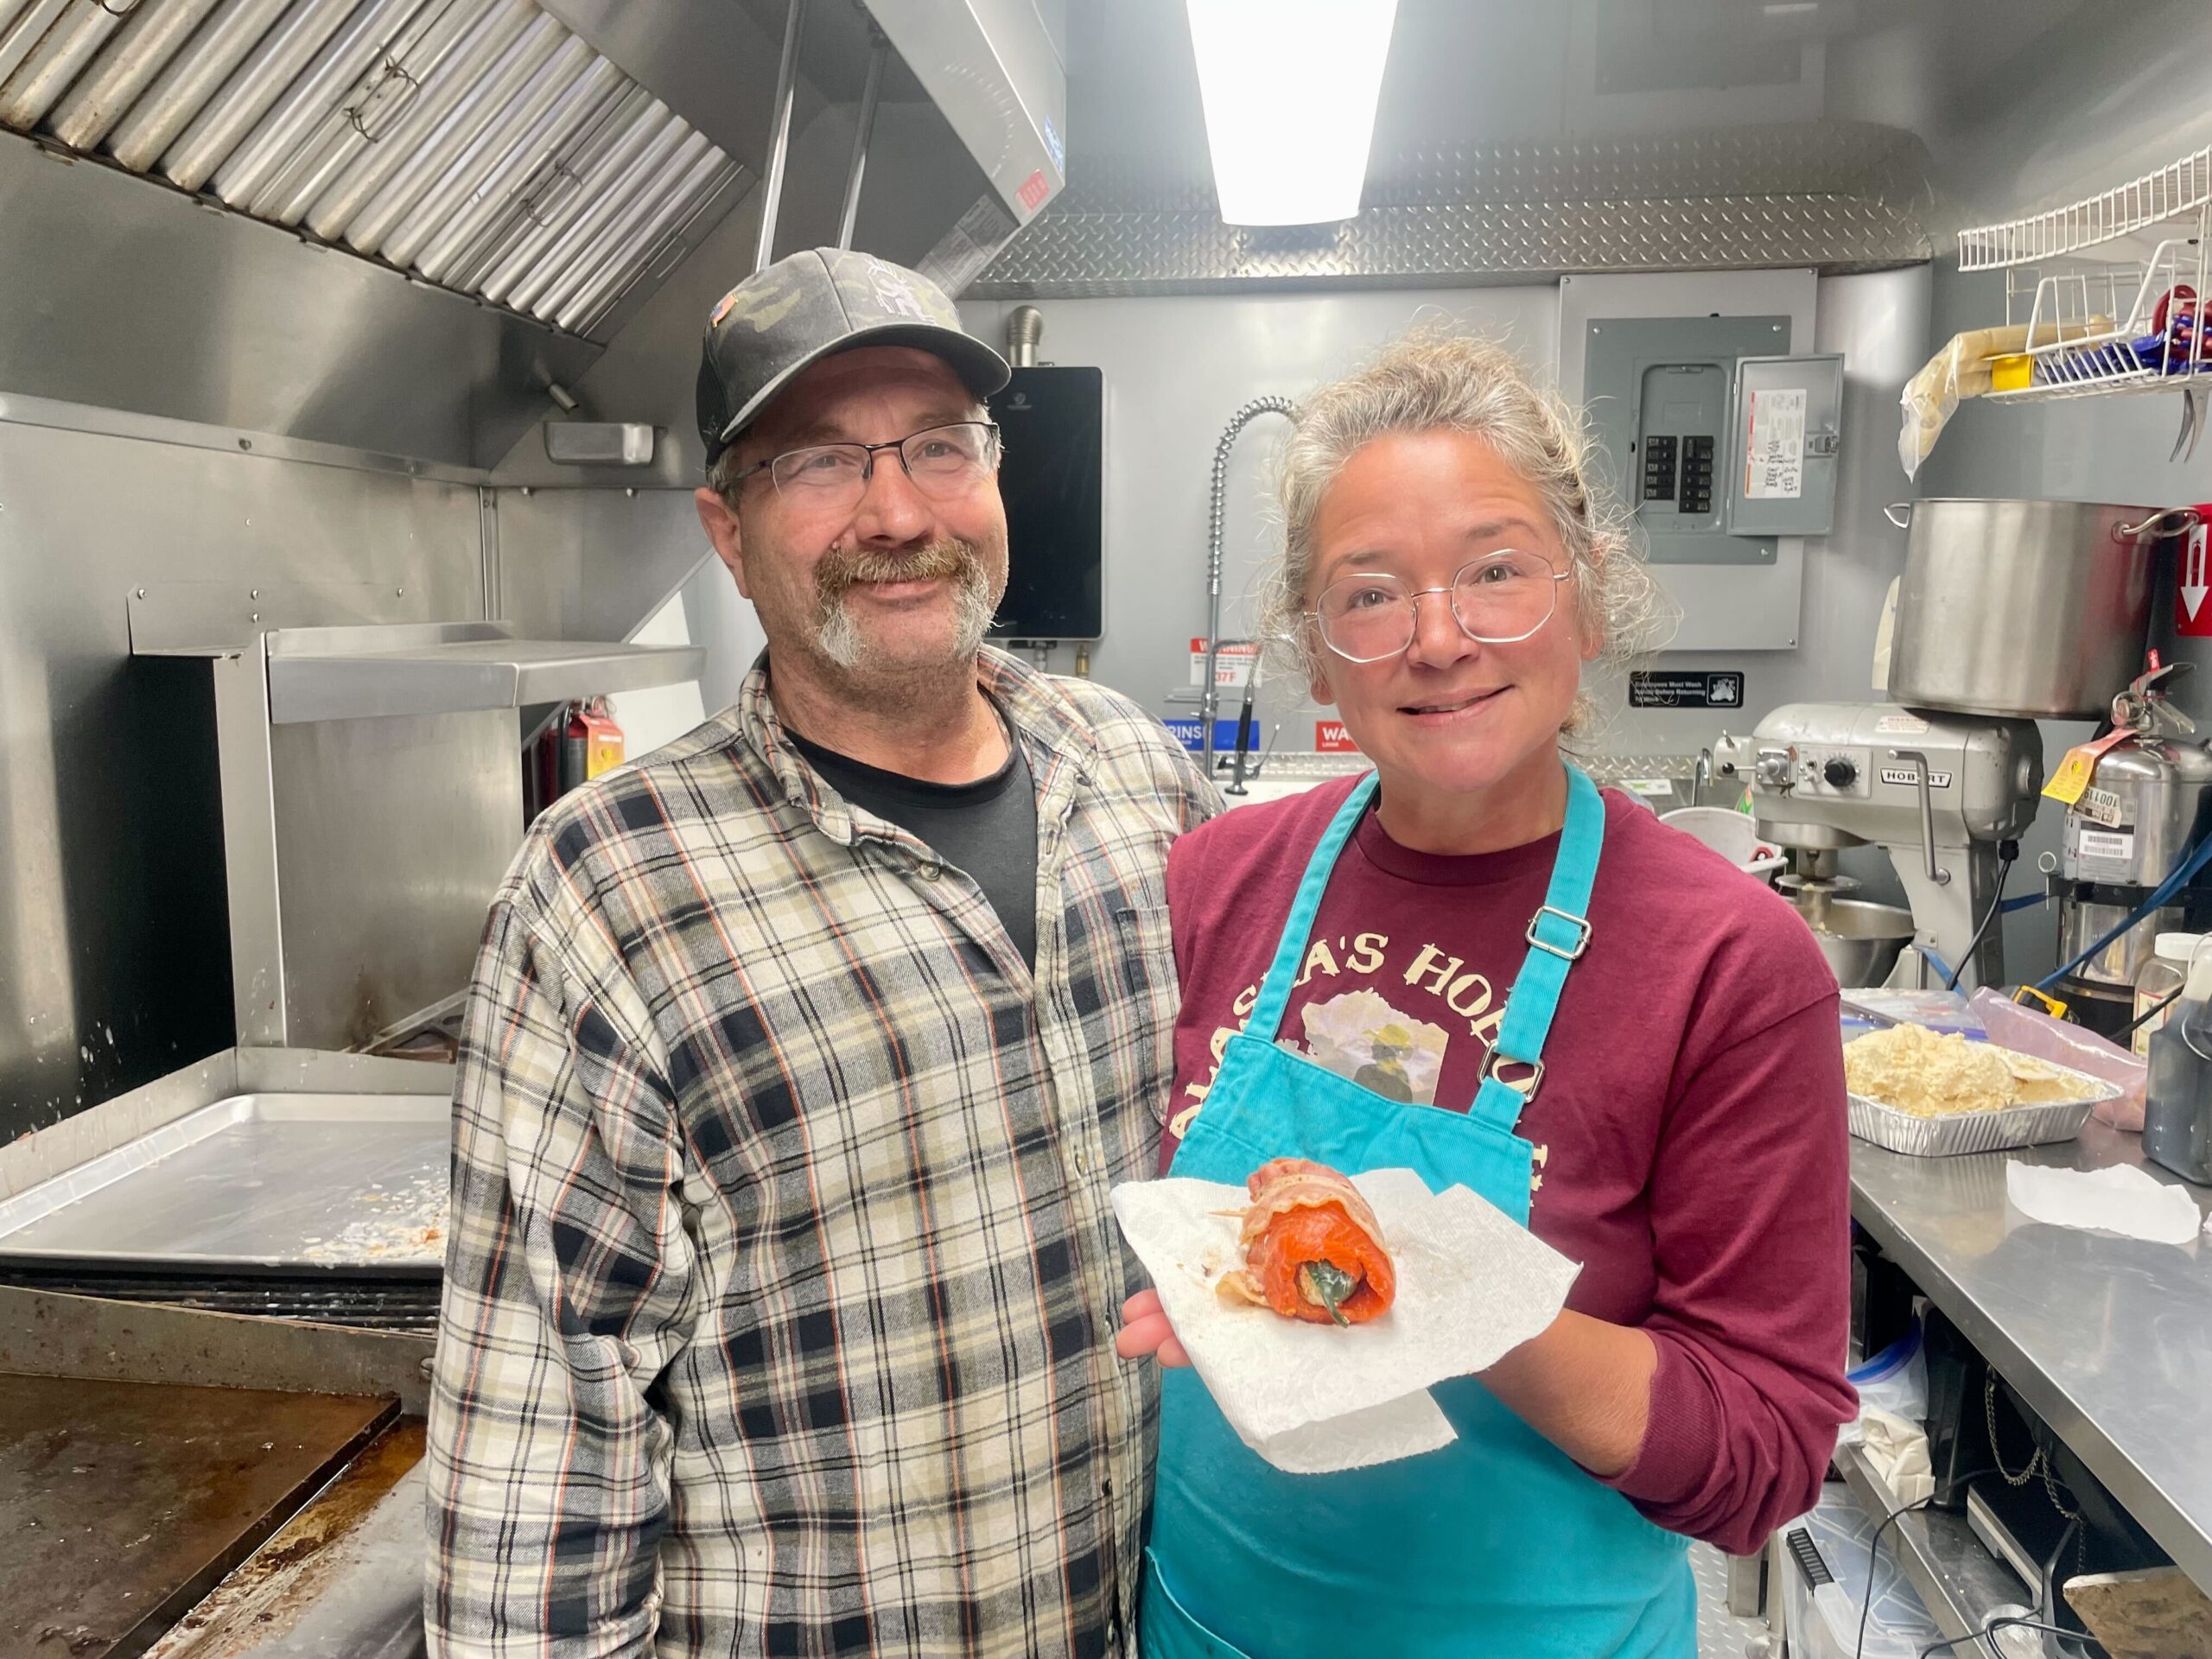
{"points": [[1789, 436], [1661, 393], [1653, 359]]}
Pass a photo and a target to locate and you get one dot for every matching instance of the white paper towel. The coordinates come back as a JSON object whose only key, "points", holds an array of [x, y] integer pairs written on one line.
{"points": [[2122, 1199], [1471, 1284]]}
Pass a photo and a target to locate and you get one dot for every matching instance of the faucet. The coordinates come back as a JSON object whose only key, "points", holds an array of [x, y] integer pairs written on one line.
{"points": [[1700, 776]]}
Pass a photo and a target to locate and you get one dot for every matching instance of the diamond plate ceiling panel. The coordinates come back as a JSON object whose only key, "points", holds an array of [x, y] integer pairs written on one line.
{"points": [[1838, 198]]}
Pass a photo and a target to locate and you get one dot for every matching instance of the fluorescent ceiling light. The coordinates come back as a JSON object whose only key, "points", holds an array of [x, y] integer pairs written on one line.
{"points": [[1290, 88]]}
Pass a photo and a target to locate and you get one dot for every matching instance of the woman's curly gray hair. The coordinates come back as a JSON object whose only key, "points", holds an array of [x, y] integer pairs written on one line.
{"points": [[1428, 382]]}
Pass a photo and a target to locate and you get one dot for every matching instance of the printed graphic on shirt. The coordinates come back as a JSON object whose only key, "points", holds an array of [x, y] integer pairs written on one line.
{"points": [[1360, 1036], [1391, 1032]]}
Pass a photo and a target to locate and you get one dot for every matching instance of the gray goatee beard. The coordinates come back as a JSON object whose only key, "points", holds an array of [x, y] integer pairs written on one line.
{"points": [[839, 638]]}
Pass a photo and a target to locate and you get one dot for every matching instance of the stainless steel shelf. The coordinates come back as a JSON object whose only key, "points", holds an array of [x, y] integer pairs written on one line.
{"points": [[1963, 1586], [353, 673]]}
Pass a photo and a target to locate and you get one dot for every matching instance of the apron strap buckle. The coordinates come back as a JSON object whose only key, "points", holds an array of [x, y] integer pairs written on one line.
{"points": [[1525, 1087], [1571, 952]]}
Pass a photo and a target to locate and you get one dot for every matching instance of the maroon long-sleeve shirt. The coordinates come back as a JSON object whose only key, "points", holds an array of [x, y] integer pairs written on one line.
{"points": [[1690, 1137]]}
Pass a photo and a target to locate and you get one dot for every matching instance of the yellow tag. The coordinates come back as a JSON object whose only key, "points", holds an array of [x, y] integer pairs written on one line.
{"points": [[2068, 783]]}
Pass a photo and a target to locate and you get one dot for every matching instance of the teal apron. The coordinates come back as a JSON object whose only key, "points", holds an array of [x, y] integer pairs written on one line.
{"points": [[1496, 1544]]}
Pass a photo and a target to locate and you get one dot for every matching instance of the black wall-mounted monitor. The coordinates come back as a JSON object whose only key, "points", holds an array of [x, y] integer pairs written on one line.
{"points": [[1053, 479]]}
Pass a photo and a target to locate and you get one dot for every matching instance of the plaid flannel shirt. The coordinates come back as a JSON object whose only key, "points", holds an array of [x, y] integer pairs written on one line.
{"points": [[782, 1285]]}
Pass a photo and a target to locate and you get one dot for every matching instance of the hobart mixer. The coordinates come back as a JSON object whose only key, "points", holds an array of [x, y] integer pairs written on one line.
{"points": [[1946, 796]]}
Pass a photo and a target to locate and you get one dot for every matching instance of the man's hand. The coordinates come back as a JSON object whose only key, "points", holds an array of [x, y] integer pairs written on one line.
{"points": [[1145, 1330]]}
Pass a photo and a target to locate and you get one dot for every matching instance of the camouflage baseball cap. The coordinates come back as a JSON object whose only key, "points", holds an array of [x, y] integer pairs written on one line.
{"points": [[806, 306]]}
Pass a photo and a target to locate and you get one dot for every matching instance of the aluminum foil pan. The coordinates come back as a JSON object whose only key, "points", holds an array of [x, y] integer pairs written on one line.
{"points": [[1960, 1131]]}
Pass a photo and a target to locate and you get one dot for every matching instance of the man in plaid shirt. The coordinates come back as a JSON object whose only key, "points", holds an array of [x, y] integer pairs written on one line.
{"points": [[801, 1055]]}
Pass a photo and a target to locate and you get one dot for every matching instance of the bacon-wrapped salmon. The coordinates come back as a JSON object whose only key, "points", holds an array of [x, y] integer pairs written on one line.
{"points": [[1313, 1249]]}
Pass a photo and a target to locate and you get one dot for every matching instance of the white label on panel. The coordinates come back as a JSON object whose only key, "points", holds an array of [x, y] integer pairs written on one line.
{"points": [[1901, 726], [1774, 453], [2106, 843]]}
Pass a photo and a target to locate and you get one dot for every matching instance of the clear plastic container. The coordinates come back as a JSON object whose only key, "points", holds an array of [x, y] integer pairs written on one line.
{"points": [[2161, 978]]}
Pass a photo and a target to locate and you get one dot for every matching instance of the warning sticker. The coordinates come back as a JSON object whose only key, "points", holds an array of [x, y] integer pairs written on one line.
{"points": [[1233, 666], [1774, 450], [1901, 725]]}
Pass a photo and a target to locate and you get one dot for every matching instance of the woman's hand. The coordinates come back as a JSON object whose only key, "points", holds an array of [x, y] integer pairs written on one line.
{"points": [[1145, 1330]]}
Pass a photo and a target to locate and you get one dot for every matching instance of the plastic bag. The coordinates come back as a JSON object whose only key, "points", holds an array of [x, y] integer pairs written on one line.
{"points": [[1895, 1380], [2027, 1031], [1961, 371]]}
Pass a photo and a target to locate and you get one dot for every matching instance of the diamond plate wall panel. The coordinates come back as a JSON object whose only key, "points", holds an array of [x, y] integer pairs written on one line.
{"points": [[1838, 198]]}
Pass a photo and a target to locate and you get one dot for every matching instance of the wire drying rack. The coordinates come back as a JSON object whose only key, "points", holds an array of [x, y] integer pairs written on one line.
{"points": [[2106, 289]]}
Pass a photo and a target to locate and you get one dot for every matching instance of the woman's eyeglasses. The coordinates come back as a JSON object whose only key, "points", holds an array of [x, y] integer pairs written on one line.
{"points": [[1498, 600]]}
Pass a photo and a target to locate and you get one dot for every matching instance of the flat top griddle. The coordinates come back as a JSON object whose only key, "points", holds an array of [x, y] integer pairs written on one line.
{"points": [[121, 1504], [350, 1184]]}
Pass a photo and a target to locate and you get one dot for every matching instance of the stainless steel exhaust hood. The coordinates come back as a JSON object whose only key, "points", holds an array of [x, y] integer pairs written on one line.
{"points": [[479, 145]]}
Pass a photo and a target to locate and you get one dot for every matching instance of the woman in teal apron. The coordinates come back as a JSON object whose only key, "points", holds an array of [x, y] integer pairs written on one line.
{"points": [[1447, 575]]}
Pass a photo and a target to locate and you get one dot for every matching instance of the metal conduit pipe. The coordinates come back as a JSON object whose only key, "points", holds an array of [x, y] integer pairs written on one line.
{"points": [[27, 31], [780, 135], [848, 215], [106, 92], [40, 80], [317, 93], [706, 180], [183, 88], [625, 130], [668, 247], [233, 112], [499, 200], [1024, 327], [402, 191], [573, 301], [380, 101], [491, 32], [1208, 695], [571, 61], [578, 252], [10, 9]]}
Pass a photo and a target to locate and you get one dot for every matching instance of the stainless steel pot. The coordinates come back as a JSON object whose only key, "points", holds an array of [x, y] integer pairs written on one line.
{"points": [[2032, 608]]}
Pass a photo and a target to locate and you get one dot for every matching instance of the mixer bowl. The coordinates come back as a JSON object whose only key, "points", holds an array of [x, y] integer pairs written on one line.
{"points": [[1861, 940]]}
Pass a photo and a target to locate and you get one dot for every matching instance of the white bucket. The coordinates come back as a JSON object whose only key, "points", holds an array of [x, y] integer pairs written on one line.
{"points": [[1732, 835]]}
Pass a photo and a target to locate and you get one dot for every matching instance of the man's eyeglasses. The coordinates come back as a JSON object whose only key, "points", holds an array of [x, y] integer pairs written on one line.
{"points": [[1499, 599], [944, 461]]}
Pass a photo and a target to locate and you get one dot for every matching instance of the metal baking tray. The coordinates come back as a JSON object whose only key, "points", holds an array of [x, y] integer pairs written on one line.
{"points": [[1961, 1132], [353, 1183]]}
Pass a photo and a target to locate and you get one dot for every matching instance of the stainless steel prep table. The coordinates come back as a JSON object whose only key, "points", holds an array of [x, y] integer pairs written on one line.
{"points": [[2108, 1339]]}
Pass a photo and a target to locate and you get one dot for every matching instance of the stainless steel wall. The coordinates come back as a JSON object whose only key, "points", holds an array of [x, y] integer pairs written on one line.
{"points": [[126, 295], [2098, 102], [1176, 368], [114, 956]]}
